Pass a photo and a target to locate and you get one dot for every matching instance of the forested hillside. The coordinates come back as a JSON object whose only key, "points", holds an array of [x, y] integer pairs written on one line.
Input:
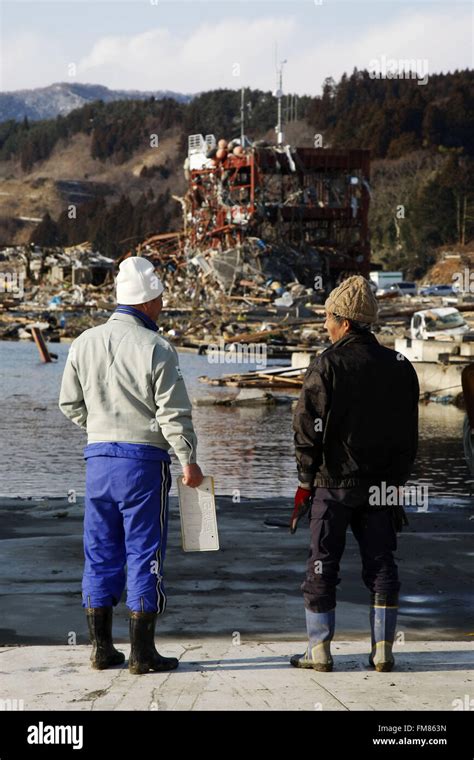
{"points": [[421, 139]]}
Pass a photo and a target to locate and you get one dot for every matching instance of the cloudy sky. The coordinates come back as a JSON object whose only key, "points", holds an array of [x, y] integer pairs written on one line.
{"points": [[200, 45]]}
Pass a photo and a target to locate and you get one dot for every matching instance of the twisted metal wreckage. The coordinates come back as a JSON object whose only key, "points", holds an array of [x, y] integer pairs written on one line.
{"points": [[259, 216]]}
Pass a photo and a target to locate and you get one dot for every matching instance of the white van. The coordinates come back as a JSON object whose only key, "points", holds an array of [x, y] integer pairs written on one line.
{"points": [[437, 323], [406, 288]]}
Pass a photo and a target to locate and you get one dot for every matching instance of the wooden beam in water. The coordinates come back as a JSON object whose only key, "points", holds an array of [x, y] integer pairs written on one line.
{"points": [[41, 345]]}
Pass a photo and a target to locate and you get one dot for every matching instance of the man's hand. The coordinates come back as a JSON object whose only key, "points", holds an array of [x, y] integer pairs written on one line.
{"points": [[192, 475], [303, 499]]}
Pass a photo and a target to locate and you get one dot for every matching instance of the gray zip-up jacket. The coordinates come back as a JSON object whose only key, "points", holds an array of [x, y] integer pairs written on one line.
{"points": [[122, 383]]}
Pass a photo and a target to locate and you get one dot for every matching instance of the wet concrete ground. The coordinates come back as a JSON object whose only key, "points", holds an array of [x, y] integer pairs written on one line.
{"points": [[248, 591], [217, 673]]}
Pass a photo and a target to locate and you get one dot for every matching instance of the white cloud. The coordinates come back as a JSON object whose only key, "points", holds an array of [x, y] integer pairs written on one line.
{"points": [[443, 38], [205, 58], [159, 59]]}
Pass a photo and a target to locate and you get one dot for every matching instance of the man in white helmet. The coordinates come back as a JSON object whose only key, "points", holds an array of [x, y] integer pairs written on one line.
{"points": [[122, 384]]}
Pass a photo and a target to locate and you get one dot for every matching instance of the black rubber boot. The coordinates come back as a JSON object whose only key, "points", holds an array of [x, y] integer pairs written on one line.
{"points": [[143, 654], [104, 654]]}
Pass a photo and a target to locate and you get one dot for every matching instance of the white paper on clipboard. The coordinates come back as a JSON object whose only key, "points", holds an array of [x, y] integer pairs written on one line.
{"points": [[197, 509]]}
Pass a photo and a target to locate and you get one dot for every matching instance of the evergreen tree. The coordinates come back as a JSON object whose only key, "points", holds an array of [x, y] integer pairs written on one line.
{"points": [[46, 233]]}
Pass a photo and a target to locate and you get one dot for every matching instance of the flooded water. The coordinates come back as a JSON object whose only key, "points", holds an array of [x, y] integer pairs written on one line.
{"points": [[248, 450]]}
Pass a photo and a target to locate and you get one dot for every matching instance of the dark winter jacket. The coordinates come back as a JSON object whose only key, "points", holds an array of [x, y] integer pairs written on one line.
{"points": [[356, 420]]}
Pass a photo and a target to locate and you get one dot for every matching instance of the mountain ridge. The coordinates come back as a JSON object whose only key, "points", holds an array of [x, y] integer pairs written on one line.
{"points": [[60, 98]]}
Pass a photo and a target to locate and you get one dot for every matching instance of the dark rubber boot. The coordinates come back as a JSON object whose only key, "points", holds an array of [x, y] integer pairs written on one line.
{"points": [[104, 654], [143, 654], [383, 623]]}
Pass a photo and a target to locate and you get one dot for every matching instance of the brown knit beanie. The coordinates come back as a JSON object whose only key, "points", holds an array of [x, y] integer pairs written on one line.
{"points": [[353, 299]]}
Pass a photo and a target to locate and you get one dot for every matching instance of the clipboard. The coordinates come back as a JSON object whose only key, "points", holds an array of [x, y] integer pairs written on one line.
{"points": [[197, 510]]}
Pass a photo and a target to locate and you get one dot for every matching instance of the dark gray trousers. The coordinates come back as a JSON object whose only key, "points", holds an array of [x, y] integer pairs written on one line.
{"points": [[333, 510]]}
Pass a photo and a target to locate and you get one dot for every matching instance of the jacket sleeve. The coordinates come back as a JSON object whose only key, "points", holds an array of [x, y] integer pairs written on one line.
{"points": [[415, 413], [173, 407], [309, 421], [412, 394], [71, 397]]}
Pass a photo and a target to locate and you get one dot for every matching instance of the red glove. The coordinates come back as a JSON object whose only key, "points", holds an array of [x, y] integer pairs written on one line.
{"points": [[303, 500]]}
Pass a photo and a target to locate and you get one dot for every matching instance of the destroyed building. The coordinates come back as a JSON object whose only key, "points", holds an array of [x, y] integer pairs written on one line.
{"points": [[276, 211], [259, 219]]}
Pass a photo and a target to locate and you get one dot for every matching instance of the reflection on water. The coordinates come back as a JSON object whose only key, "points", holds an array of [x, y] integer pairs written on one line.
{"points": [[248, 450], [440, 462]]}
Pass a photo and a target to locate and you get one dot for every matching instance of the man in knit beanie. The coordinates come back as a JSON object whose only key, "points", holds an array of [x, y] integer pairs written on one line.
{"points": [[356, 436], [123, 386]]}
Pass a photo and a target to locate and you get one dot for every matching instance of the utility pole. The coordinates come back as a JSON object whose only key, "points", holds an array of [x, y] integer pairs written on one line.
{"points": [[242, 117], [463, 226], [279, 95]]}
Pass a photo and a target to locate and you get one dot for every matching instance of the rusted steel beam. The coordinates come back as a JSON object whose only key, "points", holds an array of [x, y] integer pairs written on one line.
{"points": [[41, 345]]}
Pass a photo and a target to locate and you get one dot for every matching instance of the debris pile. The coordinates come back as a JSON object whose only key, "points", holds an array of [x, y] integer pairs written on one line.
{"points": [[268, 230], [254, 297], [60, 290], [293, 214]]}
